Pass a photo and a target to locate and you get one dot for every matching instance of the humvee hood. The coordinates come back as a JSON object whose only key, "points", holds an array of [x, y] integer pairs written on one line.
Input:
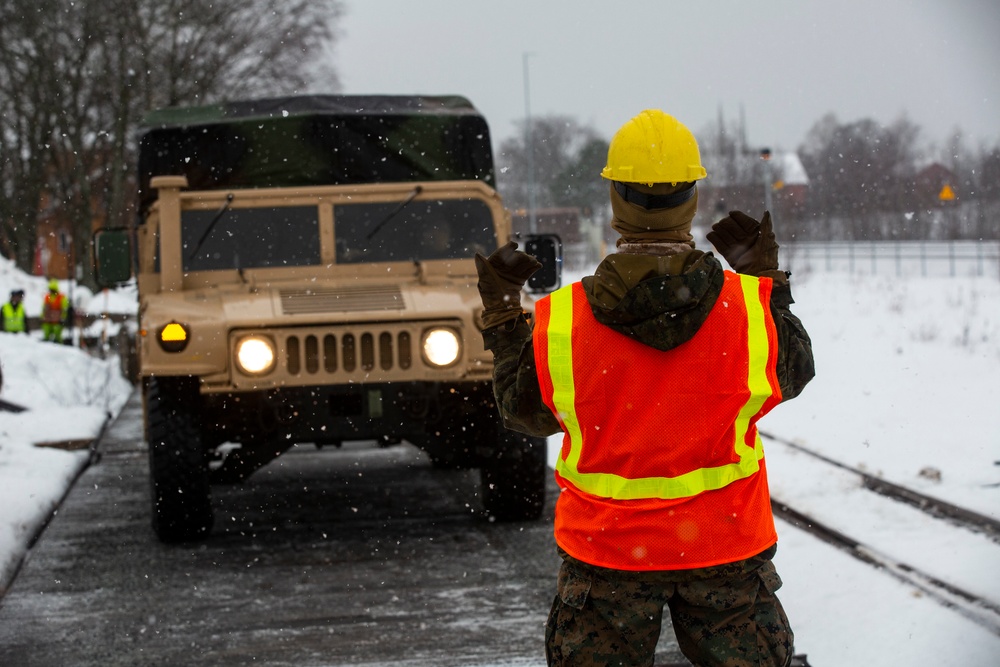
{"points": [[386, 301]]}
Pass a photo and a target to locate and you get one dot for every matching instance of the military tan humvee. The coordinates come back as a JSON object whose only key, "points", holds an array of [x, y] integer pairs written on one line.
{"points": [[305, 275]]}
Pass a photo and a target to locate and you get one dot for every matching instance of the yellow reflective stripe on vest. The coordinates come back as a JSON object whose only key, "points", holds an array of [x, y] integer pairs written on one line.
{"points": [[607, 485], [757, 382], [561, 370]]}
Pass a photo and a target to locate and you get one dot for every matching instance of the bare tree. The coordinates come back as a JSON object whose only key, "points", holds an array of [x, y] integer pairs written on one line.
{"points": [[568, 158], [988, 189], [76, 77], [579, 184], [859, 172], [27, 122], [730, 161], [736, 174]]}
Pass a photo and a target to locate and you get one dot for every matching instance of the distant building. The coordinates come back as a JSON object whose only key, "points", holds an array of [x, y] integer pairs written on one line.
{"points": [[935, 186], [54, 257], [741, 182]]}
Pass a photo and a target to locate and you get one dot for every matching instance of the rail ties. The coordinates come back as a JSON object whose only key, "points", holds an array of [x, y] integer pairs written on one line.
{"points": [[940, 509], [976, 608]]}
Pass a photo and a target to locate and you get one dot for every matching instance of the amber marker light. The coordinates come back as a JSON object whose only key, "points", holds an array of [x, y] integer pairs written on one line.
{"points": [[174, 337]]}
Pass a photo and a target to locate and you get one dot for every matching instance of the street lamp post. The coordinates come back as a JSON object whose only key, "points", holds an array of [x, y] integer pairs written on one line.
{"points": [[529, 149]]}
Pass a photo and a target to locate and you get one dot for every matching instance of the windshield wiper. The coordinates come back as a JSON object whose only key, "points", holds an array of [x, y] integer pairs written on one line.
{"points": [[211, 225], [403, 204]]}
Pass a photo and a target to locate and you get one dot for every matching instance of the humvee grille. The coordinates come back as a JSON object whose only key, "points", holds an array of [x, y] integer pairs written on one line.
{"points": [[348, 352], [341, 354], [341, 299]]}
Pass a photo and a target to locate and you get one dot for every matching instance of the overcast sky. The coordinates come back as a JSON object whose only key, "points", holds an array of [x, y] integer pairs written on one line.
{"points": [[786, 63]]}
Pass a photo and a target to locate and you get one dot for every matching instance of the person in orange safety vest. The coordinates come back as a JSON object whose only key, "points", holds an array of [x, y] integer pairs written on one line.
{"points": [[657, 369], [55, 310]]}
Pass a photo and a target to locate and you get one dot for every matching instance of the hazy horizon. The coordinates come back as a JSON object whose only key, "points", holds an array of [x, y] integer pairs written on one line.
{"points": [[781, 65]]}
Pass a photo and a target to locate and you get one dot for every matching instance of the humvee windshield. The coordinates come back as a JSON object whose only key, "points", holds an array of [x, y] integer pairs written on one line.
{"points": [[272, 237], [246, 238], [420, 230]]}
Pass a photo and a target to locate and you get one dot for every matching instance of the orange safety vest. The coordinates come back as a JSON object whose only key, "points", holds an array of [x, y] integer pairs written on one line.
{"points": [[661, 466], [52, 308]]}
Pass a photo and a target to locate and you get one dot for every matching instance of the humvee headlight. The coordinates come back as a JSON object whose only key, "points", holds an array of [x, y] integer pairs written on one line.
{"points": [[441, 347], [173, 337], [255, 355]]}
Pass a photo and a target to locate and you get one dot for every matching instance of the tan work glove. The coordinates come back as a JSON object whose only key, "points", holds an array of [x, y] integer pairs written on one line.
{"points": [[748, 245], [501, 278]]}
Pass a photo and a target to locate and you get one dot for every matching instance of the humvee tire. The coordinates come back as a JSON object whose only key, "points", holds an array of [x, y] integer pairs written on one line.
{"points": [[452, 445], [178, 464], [513, 480]]}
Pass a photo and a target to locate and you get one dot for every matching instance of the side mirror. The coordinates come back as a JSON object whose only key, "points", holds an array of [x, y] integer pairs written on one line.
{"points": [[112, 257], [547, 249]]}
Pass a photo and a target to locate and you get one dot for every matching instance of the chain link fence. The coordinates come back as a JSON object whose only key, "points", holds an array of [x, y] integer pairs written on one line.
{"points": [[956, 259]]}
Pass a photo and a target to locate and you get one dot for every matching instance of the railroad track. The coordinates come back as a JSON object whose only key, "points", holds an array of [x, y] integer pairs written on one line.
{"points": [[975, 607], [958, 516]]}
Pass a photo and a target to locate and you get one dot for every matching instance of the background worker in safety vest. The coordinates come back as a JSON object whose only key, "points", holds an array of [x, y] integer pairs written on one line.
{"points": [[55, 310], [13, 318], [656, 368]]}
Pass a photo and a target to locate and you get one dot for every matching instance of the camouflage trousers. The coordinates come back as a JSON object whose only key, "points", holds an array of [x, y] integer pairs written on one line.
{"points": [[726, 615]]}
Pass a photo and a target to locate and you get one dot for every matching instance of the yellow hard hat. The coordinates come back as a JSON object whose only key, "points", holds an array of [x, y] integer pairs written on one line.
{"points": [[53, 285], [654, 147]]}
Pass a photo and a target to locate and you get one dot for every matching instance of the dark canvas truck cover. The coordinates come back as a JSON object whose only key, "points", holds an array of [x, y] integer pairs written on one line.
{"points": [[316, 140]]}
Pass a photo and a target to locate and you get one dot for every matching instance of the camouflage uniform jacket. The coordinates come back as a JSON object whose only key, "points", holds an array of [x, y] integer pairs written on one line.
{"points": [[660, 301]]}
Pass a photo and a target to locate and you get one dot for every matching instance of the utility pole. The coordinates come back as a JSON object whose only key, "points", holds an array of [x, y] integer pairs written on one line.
{"points": [[529, 148], [765, 155]]}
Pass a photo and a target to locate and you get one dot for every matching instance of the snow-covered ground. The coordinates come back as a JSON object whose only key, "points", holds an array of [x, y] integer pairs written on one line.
{"points": [[69, 396], [906, 382], [906, 389]]}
